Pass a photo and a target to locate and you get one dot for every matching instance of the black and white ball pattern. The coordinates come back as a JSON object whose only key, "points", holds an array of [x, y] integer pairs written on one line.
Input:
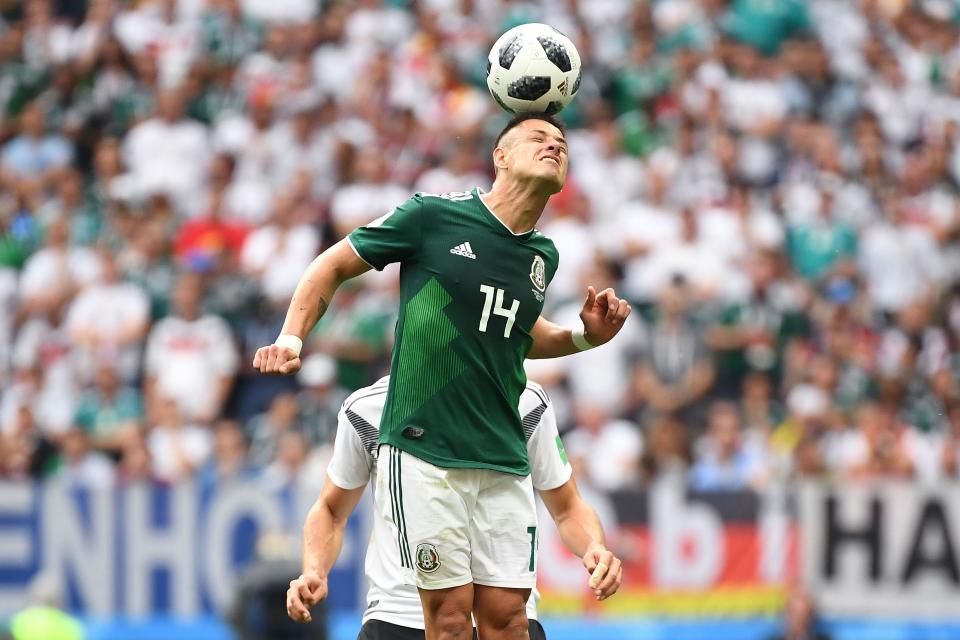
{"points": [[533, 68]]}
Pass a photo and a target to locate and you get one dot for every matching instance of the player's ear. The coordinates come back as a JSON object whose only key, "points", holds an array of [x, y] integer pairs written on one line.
{"points": [[500, 158]]}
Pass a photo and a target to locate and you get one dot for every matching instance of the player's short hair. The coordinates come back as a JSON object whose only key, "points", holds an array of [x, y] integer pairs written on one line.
{"points": [[523, 117]]}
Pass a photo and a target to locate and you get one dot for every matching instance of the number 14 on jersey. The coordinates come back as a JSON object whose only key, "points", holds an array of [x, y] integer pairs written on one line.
{"points": [[493, 300]]}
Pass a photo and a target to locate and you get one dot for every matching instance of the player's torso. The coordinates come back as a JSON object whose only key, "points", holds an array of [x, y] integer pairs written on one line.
{"points": [[496, 280], [470, 300]]}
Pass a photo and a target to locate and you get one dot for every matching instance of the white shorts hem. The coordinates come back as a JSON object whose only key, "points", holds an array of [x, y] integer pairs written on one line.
{"points": [[449, 583], [385, 617], [516, 583]]}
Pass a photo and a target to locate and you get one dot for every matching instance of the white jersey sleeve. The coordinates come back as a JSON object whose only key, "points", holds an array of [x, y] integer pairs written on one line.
{"points": [[549, 467], [355, 446]]}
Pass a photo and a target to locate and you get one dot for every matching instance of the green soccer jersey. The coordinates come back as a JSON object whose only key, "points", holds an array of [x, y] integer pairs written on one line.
{"points": [[470, 293]]}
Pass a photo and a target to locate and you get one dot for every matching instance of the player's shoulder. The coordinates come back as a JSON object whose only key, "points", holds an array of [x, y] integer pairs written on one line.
{"points": [[534, 402], [362, 411], [366, 398], [545, 244], [448, 198], [440, 204], [535, 393]]}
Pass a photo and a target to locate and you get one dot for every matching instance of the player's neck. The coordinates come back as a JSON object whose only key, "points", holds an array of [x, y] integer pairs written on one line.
{"points": [[517, 205]]}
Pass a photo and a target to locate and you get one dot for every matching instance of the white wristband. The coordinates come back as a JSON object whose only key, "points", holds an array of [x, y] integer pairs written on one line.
{"points": [[580, 340], [291, 342]]}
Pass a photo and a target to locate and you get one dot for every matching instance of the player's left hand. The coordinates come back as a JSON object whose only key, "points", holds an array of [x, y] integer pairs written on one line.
{"points": [[606, 571], [304, 592], [603, 315]]}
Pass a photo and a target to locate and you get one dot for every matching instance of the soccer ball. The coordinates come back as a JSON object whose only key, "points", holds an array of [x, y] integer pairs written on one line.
{"points": [[535, 68]]}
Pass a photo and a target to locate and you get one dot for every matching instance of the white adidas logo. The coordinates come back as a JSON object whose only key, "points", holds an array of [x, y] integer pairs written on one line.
{"points": [[464, 249]]}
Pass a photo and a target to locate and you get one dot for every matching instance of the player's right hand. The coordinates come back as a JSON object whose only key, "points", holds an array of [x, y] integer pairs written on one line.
{"points": [[606, 572], [304, 592], [276, 359]]}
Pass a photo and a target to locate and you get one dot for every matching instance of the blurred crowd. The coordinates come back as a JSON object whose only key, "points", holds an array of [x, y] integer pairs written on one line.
{"points": [[773, 185]]}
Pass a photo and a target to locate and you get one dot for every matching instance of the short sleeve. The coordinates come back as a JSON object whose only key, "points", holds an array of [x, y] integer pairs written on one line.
{"points": [[350, 465], [549, 467], [394, 237]]}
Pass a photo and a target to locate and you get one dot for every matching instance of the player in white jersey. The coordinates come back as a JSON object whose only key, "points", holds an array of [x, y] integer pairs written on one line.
{"points": [[394, 608]]}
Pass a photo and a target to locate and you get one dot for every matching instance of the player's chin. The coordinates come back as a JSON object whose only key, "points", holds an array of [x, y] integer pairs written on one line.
{"points": [[552, 180]]}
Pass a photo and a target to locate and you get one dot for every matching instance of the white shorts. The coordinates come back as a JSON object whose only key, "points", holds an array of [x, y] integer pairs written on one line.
{"points": [[456, 526]]}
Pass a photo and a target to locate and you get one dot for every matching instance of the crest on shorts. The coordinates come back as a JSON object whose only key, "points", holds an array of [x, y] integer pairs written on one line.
{"points": [[537, 274], [428, 560]]}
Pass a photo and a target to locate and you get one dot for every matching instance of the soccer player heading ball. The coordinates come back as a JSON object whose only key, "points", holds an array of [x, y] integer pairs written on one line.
{"points": [[474, 273]]}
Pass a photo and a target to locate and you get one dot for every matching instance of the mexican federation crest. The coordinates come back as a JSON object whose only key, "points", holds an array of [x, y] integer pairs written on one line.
{"points": [[428, 560], [538, 275]]}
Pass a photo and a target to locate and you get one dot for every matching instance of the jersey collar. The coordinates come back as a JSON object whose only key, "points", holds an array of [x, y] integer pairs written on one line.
{"points": [[496, 222]]}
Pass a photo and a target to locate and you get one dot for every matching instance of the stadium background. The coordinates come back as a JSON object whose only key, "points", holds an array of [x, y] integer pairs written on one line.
{"points": [[772, 184]]}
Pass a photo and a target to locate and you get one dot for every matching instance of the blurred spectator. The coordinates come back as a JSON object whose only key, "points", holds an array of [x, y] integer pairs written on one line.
{"points": [[253, 610], [108, 409], [148, 264], [800, 618], [760, 410], [461, 170], [36, 156], [266, 429], [947, 450], [754, 333], [191, 358], [824, 245], [54, 273], [900, 263], [205, 241], [807, 410], [135, 464], [163, 153], [177, 448], [229, 34], [288, 465], [8, 309], [877, 446], [277, 254], [79, 465], [247, 138], [368, 195], [610, 449], [727, 460], [16, 457], [108, 320], [229, 459], [667, 450], [320, 399], [71, 203], [676, 370]]}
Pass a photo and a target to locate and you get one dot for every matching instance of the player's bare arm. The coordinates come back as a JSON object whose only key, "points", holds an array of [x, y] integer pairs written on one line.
{"points": [[603, 315], [582, 533], [310, 301], [322, 540]]}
